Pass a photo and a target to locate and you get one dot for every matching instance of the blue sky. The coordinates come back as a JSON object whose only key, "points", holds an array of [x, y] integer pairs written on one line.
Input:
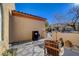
{"points": [[45, 10]]}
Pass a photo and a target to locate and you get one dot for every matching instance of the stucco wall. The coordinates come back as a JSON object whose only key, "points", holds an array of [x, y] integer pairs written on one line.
{"points": [[5, 42], [73, 37], [21, 28]]}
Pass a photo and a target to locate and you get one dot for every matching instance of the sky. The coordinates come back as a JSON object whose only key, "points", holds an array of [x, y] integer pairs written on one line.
{"points": [[45, 10]]}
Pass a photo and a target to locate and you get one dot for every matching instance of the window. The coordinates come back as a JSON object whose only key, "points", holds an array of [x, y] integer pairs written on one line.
{"points": [[0, 22]]}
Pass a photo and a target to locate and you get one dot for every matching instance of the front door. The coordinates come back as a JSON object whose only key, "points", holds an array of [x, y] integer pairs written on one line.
{"points": [[35, 35]]}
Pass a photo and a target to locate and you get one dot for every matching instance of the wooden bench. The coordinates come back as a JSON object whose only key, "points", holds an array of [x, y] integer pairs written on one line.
{"points": [[51, 48]]}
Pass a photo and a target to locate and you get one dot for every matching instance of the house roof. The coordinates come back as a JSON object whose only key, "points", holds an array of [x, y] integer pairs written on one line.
{"points": [[21, 14]]}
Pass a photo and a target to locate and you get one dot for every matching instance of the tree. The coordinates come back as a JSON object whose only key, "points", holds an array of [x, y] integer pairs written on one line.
{"points": [[59, 18], [75, 12], [46, 24]]}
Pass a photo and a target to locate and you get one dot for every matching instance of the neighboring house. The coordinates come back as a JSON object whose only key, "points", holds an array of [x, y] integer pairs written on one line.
{"points": [[16, 26], [22, 26], [59, 26], [5, 11]]}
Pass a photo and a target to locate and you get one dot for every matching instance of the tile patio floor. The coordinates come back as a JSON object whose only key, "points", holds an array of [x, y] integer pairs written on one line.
{"points": [[37, 49]]}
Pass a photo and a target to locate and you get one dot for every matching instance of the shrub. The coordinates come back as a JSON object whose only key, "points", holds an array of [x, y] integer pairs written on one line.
{"points": [[9, 52], [68, 43]]}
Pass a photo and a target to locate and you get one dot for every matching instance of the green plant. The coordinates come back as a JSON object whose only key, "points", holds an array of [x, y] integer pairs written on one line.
{"points": [[9, 52]]}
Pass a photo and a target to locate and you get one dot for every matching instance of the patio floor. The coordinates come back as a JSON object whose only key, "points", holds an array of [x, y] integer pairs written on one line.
{"points": [[37, 49]]}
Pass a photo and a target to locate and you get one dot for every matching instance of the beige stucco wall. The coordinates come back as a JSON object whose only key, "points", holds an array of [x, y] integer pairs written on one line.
{"points": [[6, 8], [73, 37], [21, 28]]}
